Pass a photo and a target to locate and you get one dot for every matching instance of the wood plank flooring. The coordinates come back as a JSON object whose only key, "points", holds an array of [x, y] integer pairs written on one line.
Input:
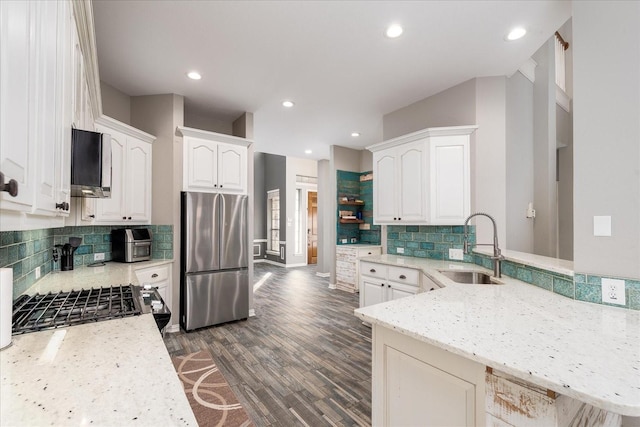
{"points": [[304, 359]]}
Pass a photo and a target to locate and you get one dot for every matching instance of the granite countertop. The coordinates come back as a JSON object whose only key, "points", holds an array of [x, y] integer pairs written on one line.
{"points": [[115, 372], [112, 273], [587, 351]]}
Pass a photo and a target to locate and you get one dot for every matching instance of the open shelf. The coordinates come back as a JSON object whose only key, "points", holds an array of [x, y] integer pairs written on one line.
{"points": [[340, 202], [351, 221]]}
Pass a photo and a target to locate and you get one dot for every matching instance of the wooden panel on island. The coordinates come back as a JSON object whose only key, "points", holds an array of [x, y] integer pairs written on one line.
{"points": [[347, 264]]}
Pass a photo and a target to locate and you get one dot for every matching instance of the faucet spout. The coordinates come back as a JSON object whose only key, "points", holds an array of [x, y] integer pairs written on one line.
{"points": [[497, 254]]}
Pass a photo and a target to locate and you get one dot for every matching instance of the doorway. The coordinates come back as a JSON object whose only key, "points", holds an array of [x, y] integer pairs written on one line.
{"points": [[312, 227]]}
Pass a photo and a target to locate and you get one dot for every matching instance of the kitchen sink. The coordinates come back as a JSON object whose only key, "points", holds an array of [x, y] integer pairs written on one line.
{"points": [[473, 277]]}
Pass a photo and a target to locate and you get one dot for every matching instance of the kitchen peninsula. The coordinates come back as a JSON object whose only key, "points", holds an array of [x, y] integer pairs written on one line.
{"points": [[114, 372], [493, 347]]}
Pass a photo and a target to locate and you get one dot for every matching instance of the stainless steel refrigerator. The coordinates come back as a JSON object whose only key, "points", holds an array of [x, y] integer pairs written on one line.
{"points": [[214, 284]]}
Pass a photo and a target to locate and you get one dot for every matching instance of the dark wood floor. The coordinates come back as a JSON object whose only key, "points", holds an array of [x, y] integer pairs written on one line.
{"points": [[304, 359]]}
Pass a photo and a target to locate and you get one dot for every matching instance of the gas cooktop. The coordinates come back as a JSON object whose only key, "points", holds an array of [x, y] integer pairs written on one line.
{"points": [[55, 310]]}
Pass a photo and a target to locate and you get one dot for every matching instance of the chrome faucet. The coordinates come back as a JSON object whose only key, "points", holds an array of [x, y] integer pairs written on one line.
{"points": [[497, 255]]}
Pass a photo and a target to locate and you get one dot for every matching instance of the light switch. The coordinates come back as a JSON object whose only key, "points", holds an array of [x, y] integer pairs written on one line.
{"points": [[602, 225]]}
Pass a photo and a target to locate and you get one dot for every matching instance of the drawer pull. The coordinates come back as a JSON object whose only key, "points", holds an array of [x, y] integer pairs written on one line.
{"points": [[154, 275], [432, 289], [373, 270], [402, 276], [368, 253]]}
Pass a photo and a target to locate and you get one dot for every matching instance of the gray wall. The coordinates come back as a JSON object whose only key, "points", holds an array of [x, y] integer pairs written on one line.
{"points": [[564, 134], [452, 107], [159, 115], [519, 126], [544, 151], [199, 120], [243, 126], [325, 220], [115, 104], [606, 67], [275, 177], [260, 204]]}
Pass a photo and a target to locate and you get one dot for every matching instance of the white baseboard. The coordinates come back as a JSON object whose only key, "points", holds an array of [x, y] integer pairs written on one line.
{"points": [[268, 261], [332, 286], [173, 328], [301, 264], [322, 274], [252, 312]]}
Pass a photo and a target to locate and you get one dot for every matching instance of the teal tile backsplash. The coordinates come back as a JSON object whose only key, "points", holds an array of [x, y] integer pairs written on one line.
{"points": [[427, 241], [24, 251], [350, 185]]}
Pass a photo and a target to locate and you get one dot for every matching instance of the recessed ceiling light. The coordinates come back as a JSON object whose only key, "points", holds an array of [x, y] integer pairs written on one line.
{"points": [[393, 31], [308, 151], [287, 104], [194, 75], [516, 33], [355, 134]]}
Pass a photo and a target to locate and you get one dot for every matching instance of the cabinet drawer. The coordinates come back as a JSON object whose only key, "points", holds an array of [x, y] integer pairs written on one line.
{"points": [[153, 274], [373, 270], [404, 275], [368, 251]]}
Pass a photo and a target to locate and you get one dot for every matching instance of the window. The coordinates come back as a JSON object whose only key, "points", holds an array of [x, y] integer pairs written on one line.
{"points": [[273, 222]]}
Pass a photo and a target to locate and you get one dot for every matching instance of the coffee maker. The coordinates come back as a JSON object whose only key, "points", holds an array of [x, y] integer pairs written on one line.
{"points": [[68, 249]]}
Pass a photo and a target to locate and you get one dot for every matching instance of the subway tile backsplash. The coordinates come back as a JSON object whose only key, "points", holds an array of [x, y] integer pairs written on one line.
{"points": [[24, 251], [428, 241]]}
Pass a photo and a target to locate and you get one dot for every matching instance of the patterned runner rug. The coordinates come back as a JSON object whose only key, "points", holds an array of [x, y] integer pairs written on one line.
{"points": [[211, 398]]}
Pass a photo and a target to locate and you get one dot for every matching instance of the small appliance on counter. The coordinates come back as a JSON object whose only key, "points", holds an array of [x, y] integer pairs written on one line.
{"points": [[131, 244], [67, 251]]}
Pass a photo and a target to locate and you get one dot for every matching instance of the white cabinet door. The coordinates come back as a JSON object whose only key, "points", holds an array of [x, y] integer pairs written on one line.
{"points": [[201, 170], [400, 290], [411, 188], [212, 166], [422, 394], [371, 291], [17, 142], [138, 180], [113, 209], [450, 179], [385, 204], [131, 163]]}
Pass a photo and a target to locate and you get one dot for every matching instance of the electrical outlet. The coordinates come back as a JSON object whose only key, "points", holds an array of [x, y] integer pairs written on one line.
{"points": [[400, 250], [456, 254], [344, 240], [37, 272], [98, 256], [613, 291]]}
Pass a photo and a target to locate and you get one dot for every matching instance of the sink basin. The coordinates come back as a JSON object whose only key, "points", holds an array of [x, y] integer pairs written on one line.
{"points": [[473, 277]]}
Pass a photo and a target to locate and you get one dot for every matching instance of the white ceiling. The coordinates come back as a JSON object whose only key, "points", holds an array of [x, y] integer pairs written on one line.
{"points": [[330, 57]]}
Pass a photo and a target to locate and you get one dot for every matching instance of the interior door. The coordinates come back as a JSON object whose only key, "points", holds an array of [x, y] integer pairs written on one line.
{"points": [[312, 227]]}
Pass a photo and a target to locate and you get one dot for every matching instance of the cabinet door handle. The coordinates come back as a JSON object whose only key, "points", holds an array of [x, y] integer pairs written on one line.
{"points": [[395, 219], [381, 284], [432, 289], [389, 285], [129, 218], [402, 276], [399, 218], [368, 253], [124, 217], [220, 185], [154, 275], [373, 270]]}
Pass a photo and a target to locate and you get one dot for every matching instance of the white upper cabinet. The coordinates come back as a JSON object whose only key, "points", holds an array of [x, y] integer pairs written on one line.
{"points": [[130, 201], [35, 112], [214, 162], [423, 177]]}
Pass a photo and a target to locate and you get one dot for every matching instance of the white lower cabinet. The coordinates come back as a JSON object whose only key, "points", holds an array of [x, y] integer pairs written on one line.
{"points": [[158, 276], [381, 283], [347, 266], [417, 384]]}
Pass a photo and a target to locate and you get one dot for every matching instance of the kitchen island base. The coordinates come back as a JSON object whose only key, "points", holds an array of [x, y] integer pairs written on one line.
{"points": [[415, 383]]}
